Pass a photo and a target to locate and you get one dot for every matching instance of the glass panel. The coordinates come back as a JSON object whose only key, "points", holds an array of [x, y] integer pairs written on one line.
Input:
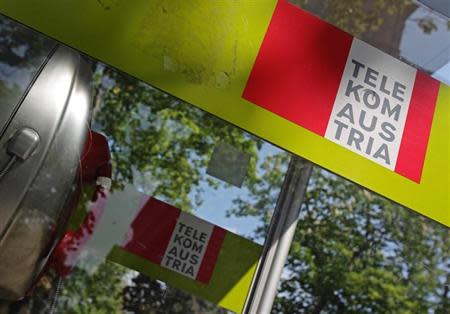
{"points": [[356, 252], [161, 147], [353, 250], [164, 146], [162, 150], [404, 29], [22, 52]]}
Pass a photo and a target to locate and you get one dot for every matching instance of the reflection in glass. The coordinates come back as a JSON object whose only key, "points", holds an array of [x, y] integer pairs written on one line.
{"points": [[160, 147], [22, 52], [353, 251], [356, 252], [404, 29]]}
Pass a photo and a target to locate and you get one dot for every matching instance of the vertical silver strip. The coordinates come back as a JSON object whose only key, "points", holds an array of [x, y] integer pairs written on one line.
{"points": [[280, 237]]}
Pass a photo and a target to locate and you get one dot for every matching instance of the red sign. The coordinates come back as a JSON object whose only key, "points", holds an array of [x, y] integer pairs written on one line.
{"points": [[175, 240], [321, 78]]}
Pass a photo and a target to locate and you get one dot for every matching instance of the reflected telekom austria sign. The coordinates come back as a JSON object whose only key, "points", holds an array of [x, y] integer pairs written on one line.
{"points": [[175, 240], [183, 250]]}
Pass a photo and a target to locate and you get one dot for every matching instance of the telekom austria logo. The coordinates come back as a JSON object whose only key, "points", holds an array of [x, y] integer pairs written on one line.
{"points": [[323, 79], [371, 106]]}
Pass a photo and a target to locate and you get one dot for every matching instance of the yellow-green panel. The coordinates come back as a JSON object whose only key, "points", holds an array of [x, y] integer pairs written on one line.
{"points": [[230, 281], [202, 52]]}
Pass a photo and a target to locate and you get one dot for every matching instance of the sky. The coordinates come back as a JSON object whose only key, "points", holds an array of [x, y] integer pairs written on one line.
{"points": [[427, 51], [443, 74]]}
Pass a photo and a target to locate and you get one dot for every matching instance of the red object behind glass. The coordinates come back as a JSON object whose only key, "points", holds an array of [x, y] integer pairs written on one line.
{"points": [[95, 171]]}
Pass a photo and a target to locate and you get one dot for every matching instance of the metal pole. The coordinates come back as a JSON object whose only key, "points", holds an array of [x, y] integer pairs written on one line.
{"points": [[279, 239]]}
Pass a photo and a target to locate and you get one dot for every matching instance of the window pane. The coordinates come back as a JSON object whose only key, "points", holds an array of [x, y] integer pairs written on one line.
{"points": [[356, 252], [404, 29], [22, 52], [169, 153]]}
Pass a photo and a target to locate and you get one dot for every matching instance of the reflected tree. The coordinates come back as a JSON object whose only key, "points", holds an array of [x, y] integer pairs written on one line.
{"points": [[19, 46], [358, 17], [162, 145], [355, 252], [161, 137], [380, 23], [144, 295]]}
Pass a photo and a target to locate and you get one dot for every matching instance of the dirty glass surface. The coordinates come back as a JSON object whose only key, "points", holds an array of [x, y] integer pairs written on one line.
{"points": [[163, 148], [405, 29], [353, 252], [356, 252], [22, 52]]}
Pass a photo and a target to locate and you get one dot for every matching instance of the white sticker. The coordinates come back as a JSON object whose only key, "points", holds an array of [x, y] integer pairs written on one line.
{"points": [[370, 110], [188, 245]]}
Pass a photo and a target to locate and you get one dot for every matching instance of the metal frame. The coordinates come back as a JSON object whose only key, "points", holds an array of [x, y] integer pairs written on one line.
{"points": [[279, 239]]}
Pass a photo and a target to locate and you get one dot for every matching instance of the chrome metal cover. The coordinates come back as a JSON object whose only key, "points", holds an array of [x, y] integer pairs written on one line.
{"points": [[35, 193]]}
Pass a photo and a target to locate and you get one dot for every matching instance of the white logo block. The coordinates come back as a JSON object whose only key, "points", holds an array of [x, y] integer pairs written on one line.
{"points": [[188, 245], [371, 106]]}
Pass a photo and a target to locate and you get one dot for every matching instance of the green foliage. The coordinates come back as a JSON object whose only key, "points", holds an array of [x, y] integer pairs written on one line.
{"points": [[154, 134], [95, 293], [355, 252], [153, 297], [362, 17], [356, 16], [263, 193]]}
